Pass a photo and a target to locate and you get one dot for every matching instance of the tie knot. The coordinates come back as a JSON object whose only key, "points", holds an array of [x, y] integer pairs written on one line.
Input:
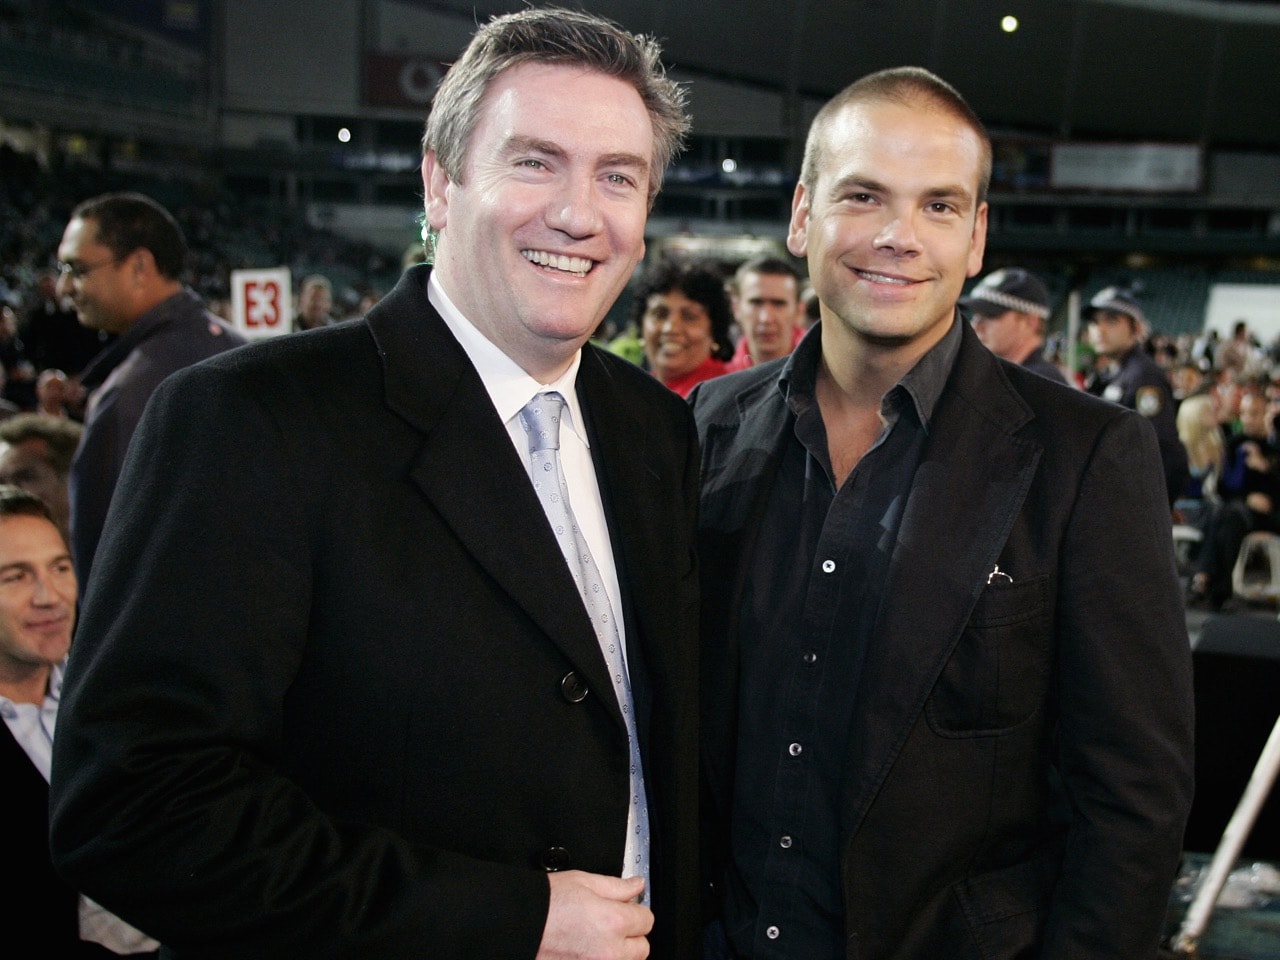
{"points": [[541, 417]]}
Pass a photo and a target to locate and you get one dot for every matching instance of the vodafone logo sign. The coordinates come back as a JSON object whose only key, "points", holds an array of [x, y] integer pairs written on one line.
{"points": [[401, 80]]}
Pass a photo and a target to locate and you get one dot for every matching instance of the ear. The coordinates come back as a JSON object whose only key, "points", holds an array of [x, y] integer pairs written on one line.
{"points": [[435, 191], [978, 243], [798, 231], [140, 263]]}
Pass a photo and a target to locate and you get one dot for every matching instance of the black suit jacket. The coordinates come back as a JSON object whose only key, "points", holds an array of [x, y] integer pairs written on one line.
{"points": [[39, 912], [1019, 769], [325, 699]]}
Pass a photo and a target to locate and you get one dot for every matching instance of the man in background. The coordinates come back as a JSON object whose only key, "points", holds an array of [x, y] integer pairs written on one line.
{"points": [[768, 309], [37, 615], [315, 303], [122, 257], [1126, 374], [36, 455], [1009, 308]]}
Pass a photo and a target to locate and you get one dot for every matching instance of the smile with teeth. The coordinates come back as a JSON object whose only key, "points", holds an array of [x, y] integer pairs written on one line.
{"points": [[578, 266], [881, 278]]}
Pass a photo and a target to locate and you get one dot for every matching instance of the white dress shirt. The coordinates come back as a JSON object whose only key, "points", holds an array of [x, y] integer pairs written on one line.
{"points": [[511, 388]]}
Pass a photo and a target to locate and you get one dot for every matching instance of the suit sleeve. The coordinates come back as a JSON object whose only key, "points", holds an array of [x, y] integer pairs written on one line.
{"points": [[172, 804], [1126, 735]]}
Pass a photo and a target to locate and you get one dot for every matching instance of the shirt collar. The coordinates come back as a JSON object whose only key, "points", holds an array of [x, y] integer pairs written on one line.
{"points": [[509, 386], [923, 383]]}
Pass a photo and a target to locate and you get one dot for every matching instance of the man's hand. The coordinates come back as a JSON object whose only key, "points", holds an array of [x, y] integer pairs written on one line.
{"points": [[594, 917]]}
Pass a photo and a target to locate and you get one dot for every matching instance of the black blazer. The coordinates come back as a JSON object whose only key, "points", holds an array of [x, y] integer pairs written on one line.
{"points": [[1019, 770], [39, 909], [324, 699]]}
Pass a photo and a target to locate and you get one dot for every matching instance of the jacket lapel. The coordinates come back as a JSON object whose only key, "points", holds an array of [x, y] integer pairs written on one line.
{"points": [[972, 480], [470, 472]]}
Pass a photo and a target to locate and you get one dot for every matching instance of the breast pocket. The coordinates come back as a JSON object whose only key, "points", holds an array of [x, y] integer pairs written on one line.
{"points": [[998, 675]]}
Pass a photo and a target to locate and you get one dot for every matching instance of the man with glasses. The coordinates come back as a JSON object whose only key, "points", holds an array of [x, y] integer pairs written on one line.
{"points": [[1008, 309], [120, 262]]}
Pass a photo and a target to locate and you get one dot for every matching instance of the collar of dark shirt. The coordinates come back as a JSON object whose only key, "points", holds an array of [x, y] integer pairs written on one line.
{"points": [[923, 383]]}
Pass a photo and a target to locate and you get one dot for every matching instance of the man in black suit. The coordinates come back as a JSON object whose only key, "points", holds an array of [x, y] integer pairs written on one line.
{"points": [[945, 666], [336, 693]]}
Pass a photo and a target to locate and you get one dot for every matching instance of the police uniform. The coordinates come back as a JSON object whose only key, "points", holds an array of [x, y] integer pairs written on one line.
{"points": [[1139, 384]]}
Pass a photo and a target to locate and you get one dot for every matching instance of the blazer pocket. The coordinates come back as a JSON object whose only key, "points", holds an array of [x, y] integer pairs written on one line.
{"points": [[1007, 909], [998, 674]]}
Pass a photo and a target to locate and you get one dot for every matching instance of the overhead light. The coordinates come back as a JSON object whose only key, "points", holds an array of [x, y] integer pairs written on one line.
{"points": [[728, 164], [344, 135], [1009, 24]]}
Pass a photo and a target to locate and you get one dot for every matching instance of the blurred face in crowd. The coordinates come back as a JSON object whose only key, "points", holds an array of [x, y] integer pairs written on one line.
{"points": [[314, 303], [37, 597], [1111, 333], [768, 309], [677, 334], [52, 391], [1253, 414], [544, 229], [1011, 335], [892, 224], [26, 464], [98, 283]]}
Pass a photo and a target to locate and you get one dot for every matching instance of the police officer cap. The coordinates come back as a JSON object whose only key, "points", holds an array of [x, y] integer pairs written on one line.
{"points": [[1010, 289], [1119, 301]]}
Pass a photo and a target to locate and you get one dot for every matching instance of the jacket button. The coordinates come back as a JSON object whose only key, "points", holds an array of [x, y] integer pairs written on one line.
{"points": [[572, 688], [555, 858]]}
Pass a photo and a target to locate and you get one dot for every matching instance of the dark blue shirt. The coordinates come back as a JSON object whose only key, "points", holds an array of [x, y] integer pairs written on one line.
{"points": [[813, 591]]}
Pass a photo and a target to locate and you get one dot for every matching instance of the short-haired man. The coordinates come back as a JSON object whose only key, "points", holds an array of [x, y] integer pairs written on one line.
{"points": [[122, 257], [1126, 374], [926, 607], [769, 311], [36, 455], [37, 615], [1008, 309], [337, 692]]}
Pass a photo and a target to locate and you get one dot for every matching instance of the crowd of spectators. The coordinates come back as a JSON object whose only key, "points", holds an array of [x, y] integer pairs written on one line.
{"points": [[224, 233]]}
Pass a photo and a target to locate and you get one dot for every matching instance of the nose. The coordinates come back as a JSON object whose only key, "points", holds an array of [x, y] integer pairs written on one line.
{"points": [[574, 210], [42, 593], [898, 234]]}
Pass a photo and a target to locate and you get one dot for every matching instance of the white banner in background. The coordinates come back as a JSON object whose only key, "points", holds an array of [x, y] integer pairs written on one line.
{"points": [[261, 302]]}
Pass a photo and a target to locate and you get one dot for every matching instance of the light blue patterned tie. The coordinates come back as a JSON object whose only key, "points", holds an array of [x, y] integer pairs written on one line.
{"points": [[541, 419]]}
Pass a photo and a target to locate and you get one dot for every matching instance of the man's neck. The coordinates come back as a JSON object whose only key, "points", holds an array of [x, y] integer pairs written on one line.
{"points": [[25, 683], [1035, 347], [863, 371]]}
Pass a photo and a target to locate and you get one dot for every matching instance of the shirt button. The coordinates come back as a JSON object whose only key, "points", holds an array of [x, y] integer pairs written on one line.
{"points": [[795, 749], [772, 932], [828, 566], [810, 657], [785, 843]]}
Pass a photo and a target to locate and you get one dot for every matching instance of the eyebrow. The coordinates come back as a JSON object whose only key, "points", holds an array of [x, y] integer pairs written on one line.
{"points": [[521, 144], [956, 191], [28, 565]]}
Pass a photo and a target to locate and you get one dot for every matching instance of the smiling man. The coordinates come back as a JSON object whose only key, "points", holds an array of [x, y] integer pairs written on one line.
{"points": [[121, 261], [923, 606], [387, 656], [37, 615]]}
